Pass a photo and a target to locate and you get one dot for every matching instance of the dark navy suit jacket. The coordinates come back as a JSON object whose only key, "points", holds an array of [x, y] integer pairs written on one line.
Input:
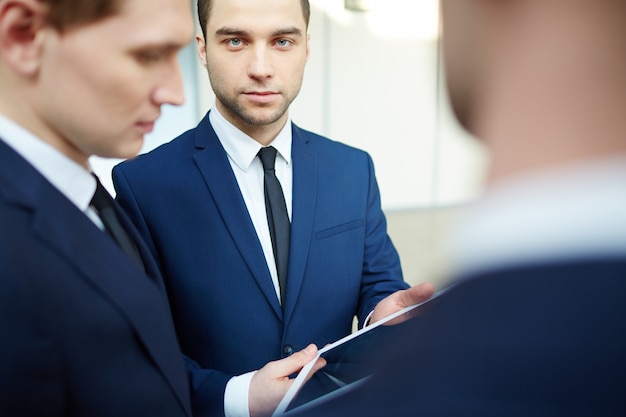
{"points": [[184, 199], [537, 340], [83, 331]]}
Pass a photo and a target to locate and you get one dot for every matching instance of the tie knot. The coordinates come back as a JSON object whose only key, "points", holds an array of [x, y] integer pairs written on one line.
{"points": [[268, 157]]}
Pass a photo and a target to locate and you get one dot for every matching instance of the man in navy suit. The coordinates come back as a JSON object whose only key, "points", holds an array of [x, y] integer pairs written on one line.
{"points": [[199, 203], [534, 325], [85, 330]]}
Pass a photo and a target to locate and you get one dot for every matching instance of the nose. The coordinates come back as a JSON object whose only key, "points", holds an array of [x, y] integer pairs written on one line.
{"points": [[170, 90], [260, 65]]}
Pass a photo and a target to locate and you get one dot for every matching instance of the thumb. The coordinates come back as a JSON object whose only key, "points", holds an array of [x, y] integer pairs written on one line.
{"points": [[297, 361]]}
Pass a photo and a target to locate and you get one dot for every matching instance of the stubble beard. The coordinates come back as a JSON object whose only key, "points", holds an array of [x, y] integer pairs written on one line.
{"points": [[253, 115]]}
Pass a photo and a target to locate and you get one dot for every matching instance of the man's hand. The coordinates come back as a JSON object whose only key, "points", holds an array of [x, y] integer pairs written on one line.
{"points": [[270, 383], [401, 299]]}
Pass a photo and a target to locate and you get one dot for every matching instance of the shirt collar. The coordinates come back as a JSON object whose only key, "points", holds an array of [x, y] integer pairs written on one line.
{"points": [[70, 178], [569, 213], [241, 148]]}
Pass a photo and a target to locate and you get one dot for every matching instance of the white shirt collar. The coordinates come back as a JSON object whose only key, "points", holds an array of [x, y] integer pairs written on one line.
{"points": [[241, 148], [70, 178], [571, 213]]}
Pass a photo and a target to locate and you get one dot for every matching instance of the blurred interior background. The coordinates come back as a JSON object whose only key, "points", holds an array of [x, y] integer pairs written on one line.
{"points": [[374, 80]]}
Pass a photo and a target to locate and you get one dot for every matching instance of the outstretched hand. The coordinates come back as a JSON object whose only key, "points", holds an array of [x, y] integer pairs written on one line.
{"points": [[270, 383], [401, 299]]}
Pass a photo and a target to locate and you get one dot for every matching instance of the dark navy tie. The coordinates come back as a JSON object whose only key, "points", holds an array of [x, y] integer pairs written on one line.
{"points": [[277, 217], [103, 204]]}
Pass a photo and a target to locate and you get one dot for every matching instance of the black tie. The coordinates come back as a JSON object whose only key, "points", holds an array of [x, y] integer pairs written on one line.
{"points": [[277, 217], [103, 204]]}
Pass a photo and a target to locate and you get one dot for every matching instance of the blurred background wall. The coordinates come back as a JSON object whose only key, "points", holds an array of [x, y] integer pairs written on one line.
{"points": [[373, 80]]}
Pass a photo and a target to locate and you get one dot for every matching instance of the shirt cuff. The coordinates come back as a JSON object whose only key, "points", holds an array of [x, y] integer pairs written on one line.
{"points": [[236, 396], [367, 319]]}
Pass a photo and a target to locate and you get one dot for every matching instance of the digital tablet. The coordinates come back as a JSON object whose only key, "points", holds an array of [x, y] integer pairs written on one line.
{"points": [[349, 363]]}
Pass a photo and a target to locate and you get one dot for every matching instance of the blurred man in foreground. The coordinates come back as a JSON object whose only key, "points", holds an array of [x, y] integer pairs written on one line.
{"points": [[535, 322], [85, 328]]}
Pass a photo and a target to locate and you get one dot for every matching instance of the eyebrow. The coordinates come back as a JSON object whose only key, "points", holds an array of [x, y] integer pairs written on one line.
{"points": [[226, 31], [165, 48]]}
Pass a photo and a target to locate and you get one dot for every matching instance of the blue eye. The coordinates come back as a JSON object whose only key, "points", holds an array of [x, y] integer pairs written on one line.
{"points": [[283, 43], [235, 42]]}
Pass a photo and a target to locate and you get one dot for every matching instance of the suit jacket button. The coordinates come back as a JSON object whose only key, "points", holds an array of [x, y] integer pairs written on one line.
{"points": [[287, 350]]}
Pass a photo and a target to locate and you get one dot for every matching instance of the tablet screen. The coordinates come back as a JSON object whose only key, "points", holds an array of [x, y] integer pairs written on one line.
{"points": [[349, 362]]}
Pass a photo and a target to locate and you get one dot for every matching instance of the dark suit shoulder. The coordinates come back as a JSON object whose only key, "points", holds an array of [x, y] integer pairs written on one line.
{"points": [[176, 151], [544, 339], [158, 158], [334, 155], [324, 143]]}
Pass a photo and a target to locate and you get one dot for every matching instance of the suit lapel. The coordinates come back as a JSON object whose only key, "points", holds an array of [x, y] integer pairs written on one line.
{"points": [[305, 176], [106, 266], [150, 266], [213, 165], [101, 262]]}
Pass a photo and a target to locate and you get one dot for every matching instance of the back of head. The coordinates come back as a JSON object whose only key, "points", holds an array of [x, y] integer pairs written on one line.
{"points": [[541, 82]]}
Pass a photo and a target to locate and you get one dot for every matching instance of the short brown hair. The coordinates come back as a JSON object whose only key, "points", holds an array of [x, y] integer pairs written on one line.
{"points": [[63, 14], [204, 9]]}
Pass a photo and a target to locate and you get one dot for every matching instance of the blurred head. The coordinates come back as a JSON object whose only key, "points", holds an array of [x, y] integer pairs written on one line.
{"points": [[255, 54], [91, 76], [463, 51], [540, 82]]}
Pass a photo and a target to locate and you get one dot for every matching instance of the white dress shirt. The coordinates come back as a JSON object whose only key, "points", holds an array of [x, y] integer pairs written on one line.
{"points": [[575, 212], [70, 178], [242, 153]]}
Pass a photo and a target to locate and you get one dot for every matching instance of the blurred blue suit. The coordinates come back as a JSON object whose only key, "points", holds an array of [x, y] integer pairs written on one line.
{"points": [[185, 200], [83, 330]]}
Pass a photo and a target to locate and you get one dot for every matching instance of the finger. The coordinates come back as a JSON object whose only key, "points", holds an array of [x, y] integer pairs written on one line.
{"points": [[417, 294]]}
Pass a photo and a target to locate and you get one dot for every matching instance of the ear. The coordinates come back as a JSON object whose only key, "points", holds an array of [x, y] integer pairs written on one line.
{"points": [[21, 34], [308, 46], [201, 49]]}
